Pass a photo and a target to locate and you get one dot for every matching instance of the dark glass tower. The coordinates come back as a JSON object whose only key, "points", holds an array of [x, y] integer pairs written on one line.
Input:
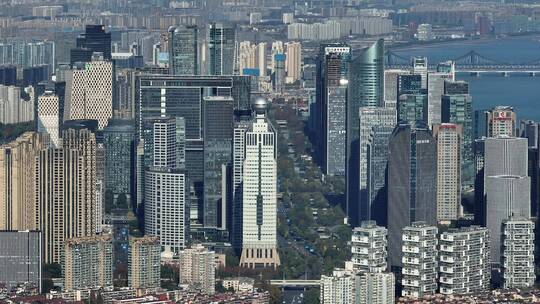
{"points": [[221, 46], [118, 139], [218, 133], [457, 108], [412, 188], [366, 77], [94, 39], [183, 50], [332, 74]]}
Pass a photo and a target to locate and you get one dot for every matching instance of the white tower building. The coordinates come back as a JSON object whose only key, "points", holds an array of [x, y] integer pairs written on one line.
{"points": [[49, 117], [259, 208]]}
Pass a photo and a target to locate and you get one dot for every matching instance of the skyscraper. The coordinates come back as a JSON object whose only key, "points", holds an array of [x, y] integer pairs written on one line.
{"points": [[184, 50], [239, 149], [412, 108], [448, 138], [391, 86], [501, 121], [182, 96], [221, 49], [506, 196], [331, 105], [166, 208], [88, 263], [412, 178], [66, 190], [259, 211], [18, 206], [372, 119], [459, 275], [279, 73], [457, 109], [89, 92], [506, 186], [293, 61], [420, 260], [368, 248], [435, 89], [48, 113], [94, 39], [144, 262], [366, 88], [218, 133], [119, 143], [420, 67]]}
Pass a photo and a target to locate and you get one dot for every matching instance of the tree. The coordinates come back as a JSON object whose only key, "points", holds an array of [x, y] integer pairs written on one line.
{"points": [[312, 296]]}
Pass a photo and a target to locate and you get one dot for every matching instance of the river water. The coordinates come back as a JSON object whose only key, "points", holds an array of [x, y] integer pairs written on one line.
{"points": [[518, 90]]}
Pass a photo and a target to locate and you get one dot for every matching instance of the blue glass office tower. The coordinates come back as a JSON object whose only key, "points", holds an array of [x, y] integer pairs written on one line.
{"points": [[331, 106], [183, 50], [412, 188], [221, 45], [366, 78]]}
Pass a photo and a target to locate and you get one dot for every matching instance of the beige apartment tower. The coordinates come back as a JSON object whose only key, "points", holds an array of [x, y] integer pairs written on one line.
{"points": [[144, 262], [18, 208], [88, 263], [449, 137]]}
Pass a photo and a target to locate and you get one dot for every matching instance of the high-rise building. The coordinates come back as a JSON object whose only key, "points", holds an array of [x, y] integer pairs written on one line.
{"points": [[18, 206], [331, 106], [198, 269], [420, 67], [501, 121], [144, 264], [93, 40], [182, 96], [464, 262], [66, 190], [20, 258], [166, 207], [16, 104], [366, 88], [293, 61], [218, 134], [279, 73], [435, 90], [375, 288], [412, 108], [221, 49], [183, 50], [239, 148], [518, 253], [457, 109], [88, 263], [377, 159], [368, 248], [260, 59], [506, 195], [48, 112], [530, 129], [338, 288], [448, 138], [409, 84], [372, 119], [89, 91], [412, 183], [259, 185], [119, 144], [506, 186], [420, 260], [391, 86]]}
